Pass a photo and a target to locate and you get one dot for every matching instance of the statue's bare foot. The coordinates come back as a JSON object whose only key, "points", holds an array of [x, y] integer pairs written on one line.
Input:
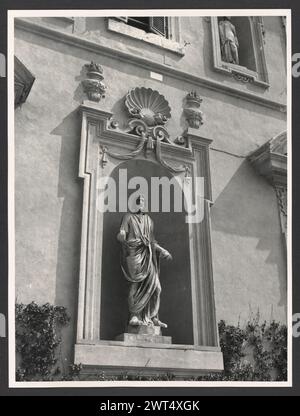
{"points": [[157, 322], [135, 321]]}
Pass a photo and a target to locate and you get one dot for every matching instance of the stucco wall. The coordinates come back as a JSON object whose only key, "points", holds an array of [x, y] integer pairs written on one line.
{"points": [[248, 257], [196, 39]]}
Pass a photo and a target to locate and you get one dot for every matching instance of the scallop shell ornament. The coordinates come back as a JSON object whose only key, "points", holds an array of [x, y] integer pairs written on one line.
{"points": [[148, 105]]}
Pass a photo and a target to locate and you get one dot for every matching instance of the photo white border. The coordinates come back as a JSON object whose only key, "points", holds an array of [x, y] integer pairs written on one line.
{"points": [[11, 14]]}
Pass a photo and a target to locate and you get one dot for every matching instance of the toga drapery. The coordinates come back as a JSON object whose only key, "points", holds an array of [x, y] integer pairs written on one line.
{"points": [[140, 265], [229, 42]]}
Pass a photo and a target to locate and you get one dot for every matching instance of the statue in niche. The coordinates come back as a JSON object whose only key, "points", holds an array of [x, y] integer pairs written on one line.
{"points": [[229, 41], [140, 265]]}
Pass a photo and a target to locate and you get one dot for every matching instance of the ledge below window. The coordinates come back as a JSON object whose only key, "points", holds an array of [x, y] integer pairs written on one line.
{"points": [[240, 73], [152, 38]]}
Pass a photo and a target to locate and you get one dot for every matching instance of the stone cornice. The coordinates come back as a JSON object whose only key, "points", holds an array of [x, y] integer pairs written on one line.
{"points": [[270, 161], [23, 80], [77, 41]]}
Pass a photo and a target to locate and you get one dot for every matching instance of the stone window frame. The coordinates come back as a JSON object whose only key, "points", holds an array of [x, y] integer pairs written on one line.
{"points": [[172, 43], [239, 72]]}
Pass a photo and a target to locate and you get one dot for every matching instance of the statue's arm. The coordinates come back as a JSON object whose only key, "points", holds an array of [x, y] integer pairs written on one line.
{"points": [[221, 33], [235, 36], [124, 228], [162, 251]]}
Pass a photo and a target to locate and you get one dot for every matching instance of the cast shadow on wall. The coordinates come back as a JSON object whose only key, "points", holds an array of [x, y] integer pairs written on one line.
{"points": [[68, 254], [240, 210]]}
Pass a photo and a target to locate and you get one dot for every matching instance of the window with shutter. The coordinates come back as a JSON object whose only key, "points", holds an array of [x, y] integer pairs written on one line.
{"points": [[139, 22], [162, 31], [122, 18], [158, 24]]}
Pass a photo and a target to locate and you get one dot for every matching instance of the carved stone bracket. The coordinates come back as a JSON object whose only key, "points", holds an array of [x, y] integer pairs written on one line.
{"points": [[149, 142], [194, 116], [93, 85], [180, 140], [241, 77]]}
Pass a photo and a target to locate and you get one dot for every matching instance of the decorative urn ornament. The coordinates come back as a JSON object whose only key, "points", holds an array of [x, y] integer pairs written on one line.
{"points": [[93, 85], [192, 112]]}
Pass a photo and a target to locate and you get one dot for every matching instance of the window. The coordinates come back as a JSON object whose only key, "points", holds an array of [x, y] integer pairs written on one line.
{"points": [[238, 48], [158, 25], [162, 31]]}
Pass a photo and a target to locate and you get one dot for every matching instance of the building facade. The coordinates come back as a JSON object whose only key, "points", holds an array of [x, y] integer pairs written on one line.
{"points": [[227, 122]]}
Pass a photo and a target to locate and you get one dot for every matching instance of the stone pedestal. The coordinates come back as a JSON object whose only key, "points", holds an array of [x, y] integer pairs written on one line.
{"points": [[143, 334], [115, 357]]}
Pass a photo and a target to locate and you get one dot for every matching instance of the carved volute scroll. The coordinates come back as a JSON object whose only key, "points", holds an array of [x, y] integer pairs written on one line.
{"points": [[149, 113]]}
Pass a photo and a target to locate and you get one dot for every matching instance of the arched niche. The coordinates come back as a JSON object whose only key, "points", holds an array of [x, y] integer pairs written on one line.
{"points": [[171, 232], [187, 302]]}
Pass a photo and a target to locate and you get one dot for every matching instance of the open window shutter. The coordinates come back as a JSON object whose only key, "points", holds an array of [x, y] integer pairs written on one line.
{"points": [[122, 18], [159, 25]]}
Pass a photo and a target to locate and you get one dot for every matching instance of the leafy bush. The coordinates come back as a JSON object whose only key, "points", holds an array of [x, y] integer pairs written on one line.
{"points": [[257, 352], [37, 339]]}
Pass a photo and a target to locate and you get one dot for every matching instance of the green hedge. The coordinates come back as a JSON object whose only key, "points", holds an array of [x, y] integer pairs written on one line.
{"points": [[256, 352]]}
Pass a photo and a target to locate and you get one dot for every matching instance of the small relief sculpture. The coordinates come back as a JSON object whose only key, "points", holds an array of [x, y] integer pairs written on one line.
{"points": [[192, 112], [93, 85], [281, 193], [140, 265], [229, 41]]}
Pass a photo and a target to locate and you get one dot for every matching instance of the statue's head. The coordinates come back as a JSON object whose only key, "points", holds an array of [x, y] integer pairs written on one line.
{"points": [[141, 202], [226, 18]]}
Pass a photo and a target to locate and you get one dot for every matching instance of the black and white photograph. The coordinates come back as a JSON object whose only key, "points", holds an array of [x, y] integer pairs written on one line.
{"points": [[149, 173]]}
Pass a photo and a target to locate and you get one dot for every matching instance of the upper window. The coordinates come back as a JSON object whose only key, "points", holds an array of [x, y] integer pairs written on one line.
{"points": [[158, 25], [162, 31]]}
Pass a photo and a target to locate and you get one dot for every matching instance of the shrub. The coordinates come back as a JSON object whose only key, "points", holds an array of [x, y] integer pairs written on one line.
{"points": [[257, 352]]}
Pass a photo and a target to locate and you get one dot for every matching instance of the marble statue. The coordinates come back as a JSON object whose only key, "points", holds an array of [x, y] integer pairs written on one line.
{"points": [[140, 265], [229, 41]]}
